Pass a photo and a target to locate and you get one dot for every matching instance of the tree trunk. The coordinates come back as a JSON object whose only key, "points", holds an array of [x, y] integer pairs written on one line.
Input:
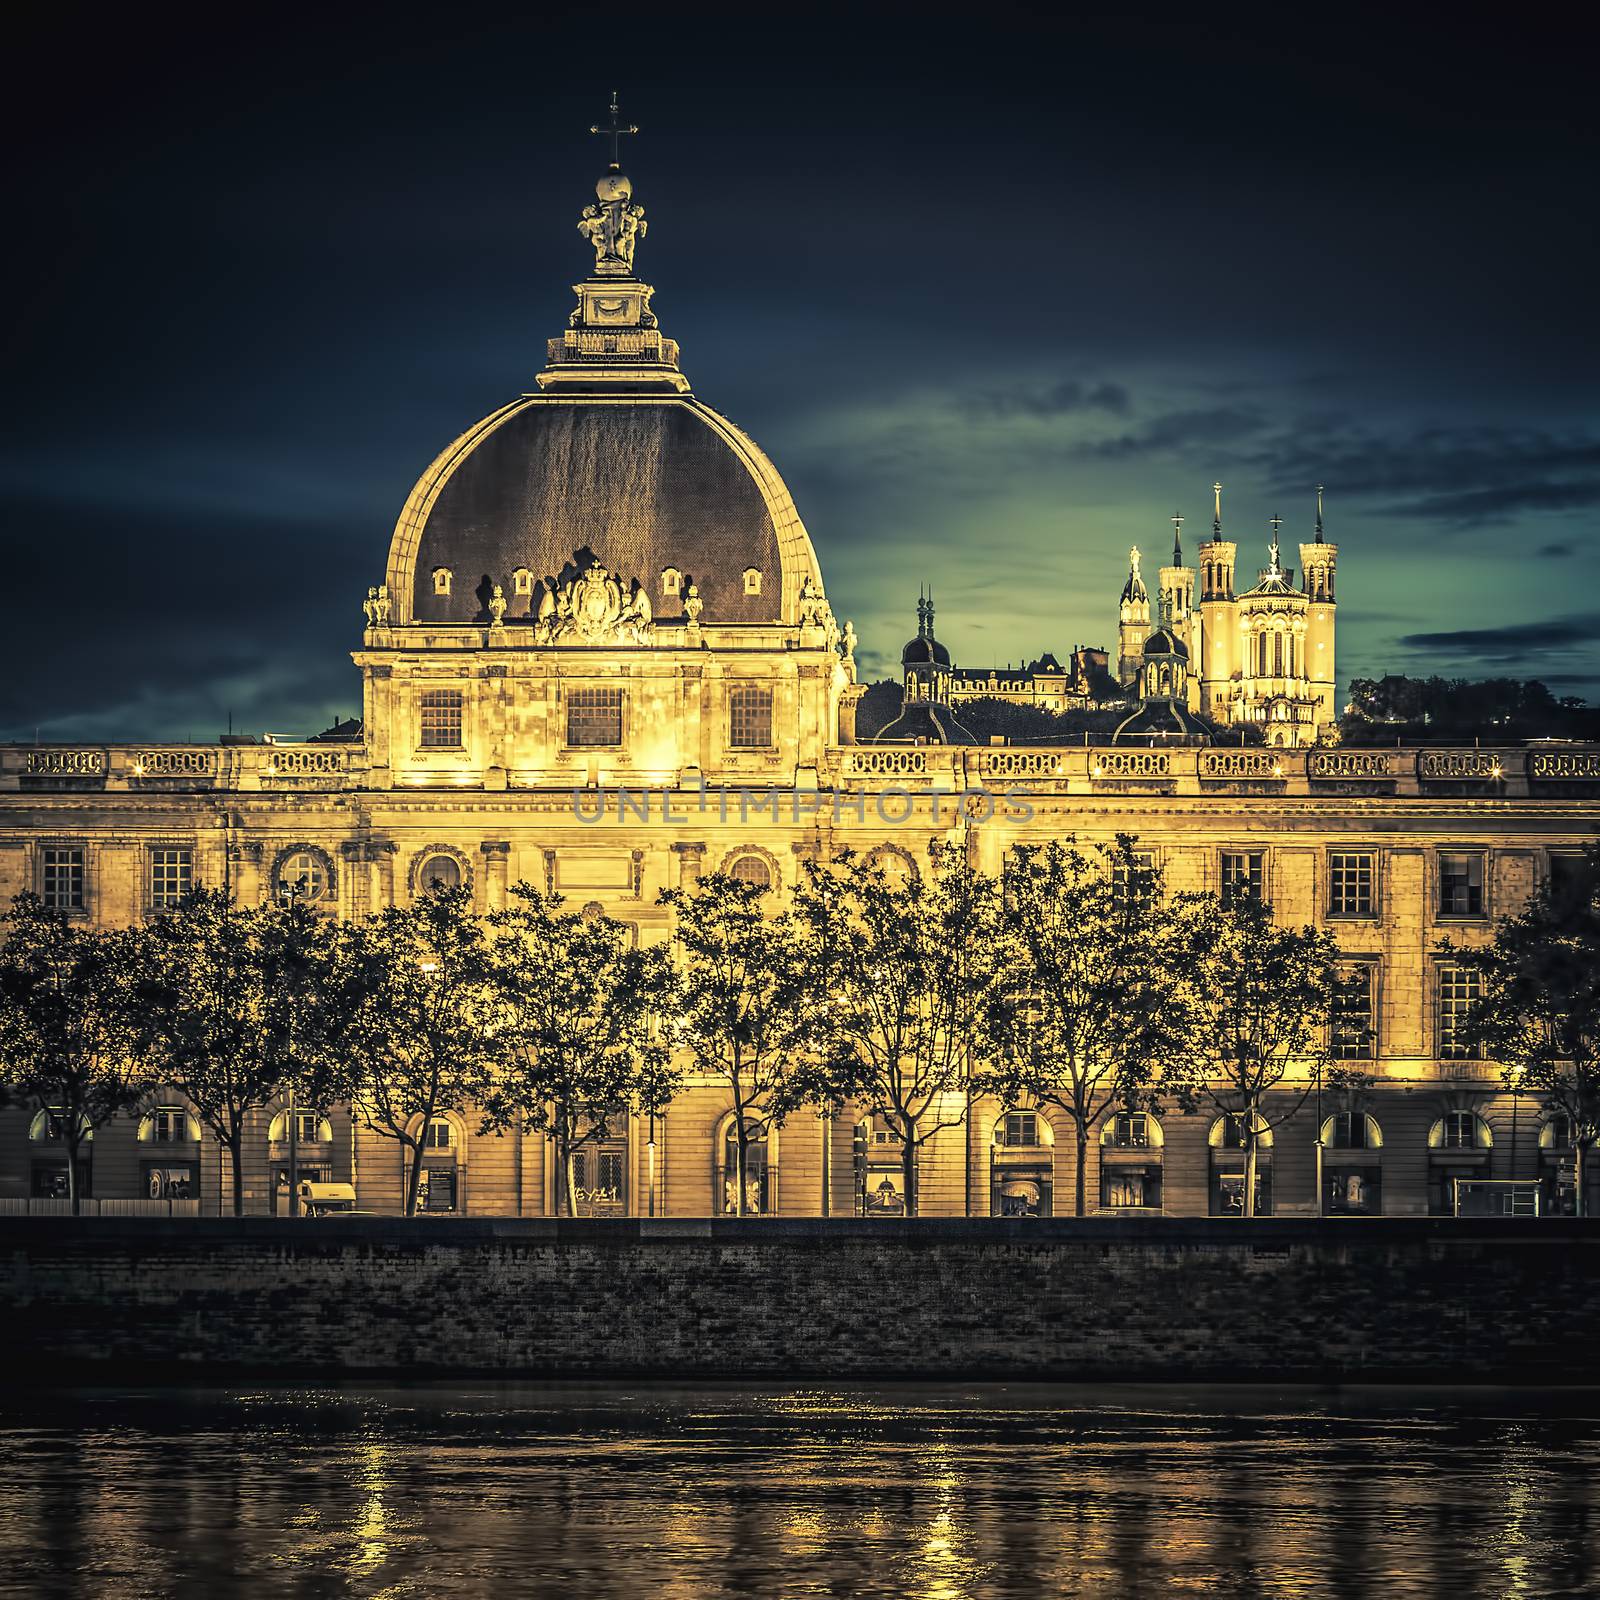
{"points": [[414, 1178], [908, 1167], [235, 1149], [741, 1163], [1250, 1165], [1579, 1205], [569, 1175], [1081, 1180], [72, 1143]]}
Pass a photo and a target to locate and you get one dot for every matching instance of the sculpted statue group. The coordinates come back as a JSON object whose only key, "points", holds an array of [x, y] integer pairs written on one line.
{"points": [[613, 225], [376, 606], [593, 608]]}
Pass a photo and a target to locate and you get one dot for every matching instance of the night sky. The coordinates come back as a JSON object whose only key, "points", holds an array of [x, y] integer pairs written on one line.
{"points": [[996, 302]]}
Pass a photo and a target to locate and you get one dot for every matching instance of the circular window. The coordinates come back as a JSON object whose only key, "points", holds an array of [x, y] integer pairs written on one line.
{"points": [[302, 875], [751, 869], [438, 873]]}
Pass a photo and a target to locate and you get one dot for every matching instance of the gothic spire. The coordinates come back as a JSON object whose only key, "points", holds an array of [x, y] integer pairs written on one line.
{"points": [[1216, 525], [1177, 539], [1319, 513]]}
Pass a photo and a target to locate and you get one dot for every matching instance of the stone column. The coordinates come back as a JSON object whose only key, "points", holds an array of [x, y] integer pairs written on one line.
{"points": [[690, 858], [496, 865]]}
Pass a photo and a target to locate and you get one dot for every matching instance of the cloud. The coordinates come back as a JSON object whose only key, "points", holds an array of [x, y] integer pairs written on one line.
{"points": [[1512, 642], [1463, 477], [1556, 549], [1054, 401]]}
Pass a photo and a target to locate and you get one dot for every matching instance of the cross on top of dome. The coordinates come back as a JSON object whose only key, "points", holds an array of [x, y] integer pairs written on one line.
{"points": [[614, 132]]}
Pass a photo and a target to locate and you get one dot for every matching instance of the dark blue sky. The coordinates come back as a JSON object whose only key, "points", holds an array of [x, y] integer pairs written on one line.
{"points": [[997, 296]]}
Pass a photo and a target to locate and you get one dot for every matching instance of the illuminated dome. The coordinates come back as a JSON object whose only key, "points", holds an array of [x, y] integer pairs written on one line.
{"points": [[613, 461], [642, 483]]}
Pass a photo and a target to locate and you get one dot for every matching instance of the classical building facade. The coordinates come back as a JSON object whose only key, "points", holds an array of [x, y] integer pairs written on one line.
{"points": [[600, 658]]}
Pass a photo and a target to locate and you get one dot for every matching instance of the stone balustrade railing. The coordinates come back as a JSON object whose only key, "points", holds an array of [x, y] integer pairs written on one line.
{"points": [[1070, 769]]}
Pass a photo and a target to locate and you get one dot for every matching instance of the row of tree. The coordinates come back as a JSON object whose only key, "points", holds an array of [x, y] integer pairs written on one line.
{"points": [[1070, 980]]}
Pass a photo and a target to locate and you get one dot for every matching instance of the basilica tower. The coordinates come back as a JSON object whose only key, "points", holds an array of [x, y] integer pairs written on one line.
{"points": [[1133, 622], [1318, 563], [1178, 614], [1220, 659]]}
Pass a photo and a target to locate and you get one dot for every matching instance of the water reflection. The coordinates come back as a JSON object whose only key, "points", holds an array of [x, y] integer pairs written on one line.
{"points": [[943, 1493]]}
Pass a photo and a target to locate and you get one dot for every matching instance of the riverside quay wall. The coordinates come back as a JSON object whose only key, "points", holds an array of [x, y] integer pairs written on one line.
{"points": [[1381, 1299]]}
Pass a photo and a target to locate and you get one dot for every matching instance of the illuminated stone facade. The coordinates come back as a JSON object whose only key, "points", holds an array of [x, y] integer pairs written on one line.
{"points": [[601, 660]]}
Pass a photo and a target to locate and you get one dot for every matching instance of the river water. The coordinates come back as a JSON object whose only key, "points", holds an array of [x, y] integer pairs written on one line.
{"points": [[947, 1491]]}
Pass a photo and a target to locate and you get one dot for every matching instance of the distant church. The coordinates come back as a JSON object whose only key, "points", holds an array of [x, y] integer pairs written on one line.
{"points": [[1262, 659]]}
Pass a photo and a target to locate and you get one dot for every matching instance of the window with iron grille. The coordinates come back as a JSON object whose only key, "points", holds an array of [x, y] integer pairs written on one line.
{"points": [[171, 877], [62, 878], [751, 869], [1461, 886], [1459, 988], [1241, 875], [1133, 878], [594, 717], [439, 719], [1355, 1027], [750, 718], [1350, 882]]}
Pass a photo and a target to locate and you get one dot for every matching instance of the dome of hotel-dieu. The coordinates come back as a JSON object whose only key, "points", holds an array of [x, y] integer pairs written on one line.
{"points": [[645, 483]]}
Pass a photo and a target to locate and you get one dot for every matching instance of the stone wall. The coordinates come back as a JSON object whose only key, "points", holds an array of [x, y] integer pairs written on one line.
{"points": [[1401, 1299]]}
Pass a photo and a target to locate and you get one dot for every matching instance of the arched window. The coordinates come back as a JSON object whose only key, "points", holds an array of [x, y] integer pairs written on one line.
{"points": [[440, 1134], [896, 866], [311, 1127], [436, 871], [441, 580], [49, 1127], [522, 581], [302, 873], [1023, 1130], [760, 1171], [1352, 1130], [1556, 1134], [169, 1124], [752, 580], [751, 869], [1227, 1133], [671, 581], [1460, 1130], [1131, 1130]]}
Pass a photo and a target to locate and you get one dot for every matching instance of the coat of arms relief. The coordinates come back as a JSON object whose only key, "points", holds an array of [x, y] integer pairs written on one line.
{"points": [[595, 607]]}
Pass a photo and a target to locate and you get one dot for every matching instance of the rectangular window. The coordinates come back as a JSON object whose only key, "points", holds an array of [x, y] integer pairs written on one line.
{"points": [[439, 719], [1350, 879], [1459, 1131], [1241, 875], [1459, 989], [1130, 1188], [61, 878], [1133, 878], [1131, 1130], [609, 1173], [309, 1129], [750, 718], [1461, 886], [1022, 1127], [1355, 1023], [169, 1125], [594, 717], [171, 877]]}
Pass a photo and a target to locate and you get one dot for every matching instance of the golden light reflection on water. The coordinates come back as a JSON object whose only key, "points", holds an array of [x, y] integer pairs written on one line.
{"points": [[940, 1494]]}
